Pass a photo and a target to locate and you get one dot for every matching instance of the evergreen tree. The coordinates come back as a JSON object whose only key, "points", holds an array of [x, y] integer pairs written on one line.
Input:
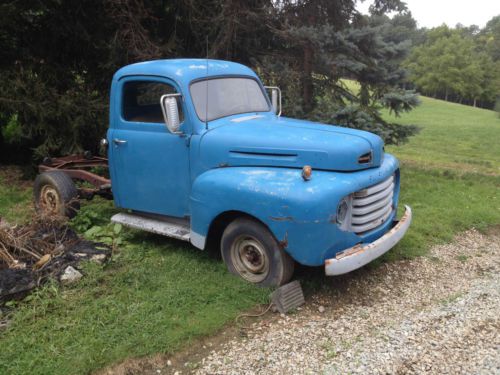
{"points": [[57, 59]]}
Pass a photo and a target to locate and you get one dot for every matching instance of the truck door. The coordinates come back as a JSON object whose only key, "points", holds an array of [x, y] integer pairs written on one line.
{"points": [[149, 165]]}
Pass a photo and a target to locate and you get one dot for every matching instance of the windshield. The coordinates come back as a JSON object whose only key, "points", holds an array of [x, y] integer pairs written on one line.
{"points": [[226, 97]]}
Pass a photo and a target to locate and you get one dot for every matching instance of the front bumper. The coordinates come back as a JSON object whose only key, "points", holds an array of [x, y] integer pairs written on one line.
{"points": [[361, 254]]}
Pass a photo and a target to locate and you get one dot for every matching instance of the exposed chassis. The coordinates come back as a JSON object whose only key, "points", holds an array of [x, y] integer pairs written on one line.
{"points": [[79, 167]]}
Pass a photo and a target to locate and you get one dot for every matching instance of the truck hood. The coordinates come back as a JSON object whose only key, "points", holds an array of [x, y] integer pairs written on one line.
{"points": [[262, 140]]}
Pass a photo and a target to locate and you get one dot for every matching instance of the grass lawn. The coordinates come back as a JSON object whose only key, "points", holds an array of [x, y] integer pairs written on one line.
{"points": [[158, 295], [15, 199], [450, 172], [452, 136]]}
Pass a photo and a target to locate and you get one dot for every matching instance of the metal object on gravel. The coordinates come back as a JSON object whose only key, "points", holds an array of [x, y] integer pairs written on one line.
{"points": [[288, 297]]}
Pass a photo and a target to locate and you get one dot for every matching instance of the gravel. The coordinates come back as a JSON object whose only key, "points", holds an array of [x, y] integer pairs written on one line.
{"points": [[435, 314]]}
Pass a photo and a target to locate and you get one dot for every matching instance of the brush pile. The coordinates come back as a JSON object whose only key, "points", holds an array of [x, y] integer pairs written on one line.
{"points": [[45, 248]]}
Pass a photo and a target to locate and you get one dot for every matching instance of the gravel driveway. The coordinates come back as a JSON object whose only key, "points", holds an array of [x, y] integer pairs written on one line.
{"points": [[436, 314]]}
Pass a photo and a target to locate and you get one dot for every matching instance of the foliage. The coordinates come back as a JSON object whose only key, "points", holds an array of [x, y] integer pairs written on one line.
{"points": [[12, 132], [57, 57], [460, 64], [87, 222], [353, 116], [321, 48]]}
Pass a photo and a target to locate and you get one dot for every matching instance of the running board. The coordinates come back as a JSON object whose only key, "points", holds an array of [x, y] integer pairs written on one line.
{"points": [[166, 226]]}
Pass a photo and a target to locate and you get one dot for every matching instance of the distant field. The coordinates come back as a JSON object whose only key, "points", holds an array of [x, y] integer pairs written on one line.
{"points": [[158, 295], [453, 136]]}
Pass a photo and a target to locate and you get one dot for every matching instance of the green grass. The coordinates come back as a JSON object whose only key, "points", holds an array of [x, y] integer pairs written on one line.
{"points": [[14, 201], [450, 173], [452, 136], [159, 295], [444, 203]]}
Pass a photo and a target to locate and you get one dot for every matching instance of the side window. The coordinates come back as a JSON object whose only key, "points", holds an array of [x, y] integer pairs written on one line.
{"points": [[141, 101]]}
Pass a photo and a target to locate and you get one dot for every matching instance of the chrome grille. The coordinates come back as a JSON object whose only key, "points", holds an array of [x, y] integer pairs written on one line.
{"points": [[372, 206]]}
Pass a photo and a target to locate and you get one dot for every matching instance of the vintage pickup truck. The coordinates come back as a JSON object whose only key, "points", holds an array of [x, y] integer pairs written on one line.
{"points": [[198, 151]]}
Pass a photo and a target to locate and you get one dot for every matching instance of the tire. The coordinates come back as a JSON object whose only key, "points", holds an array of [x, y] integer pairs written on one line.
{"points": [[251, 252], [55, 194]]}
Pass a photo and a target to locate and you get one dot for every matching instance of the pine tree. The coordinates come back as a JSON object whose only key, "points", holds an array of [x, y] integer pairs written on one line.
{"points": [[57, 59]]}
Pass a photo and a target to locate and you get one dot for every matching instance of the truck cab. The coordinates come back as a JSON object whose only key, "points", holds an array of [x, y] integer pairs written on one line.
{"points": [[198, 150]]}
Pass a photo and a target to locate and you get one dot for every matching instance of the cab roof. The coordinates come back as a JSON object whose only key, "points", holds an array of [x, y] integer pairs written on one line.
{"points": [[184, 70]]}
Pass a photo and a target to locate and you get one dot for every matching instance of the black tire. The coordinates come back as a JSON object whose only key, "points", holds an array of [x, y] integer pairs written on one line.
{"points": [[55, 194], [251, 252]]}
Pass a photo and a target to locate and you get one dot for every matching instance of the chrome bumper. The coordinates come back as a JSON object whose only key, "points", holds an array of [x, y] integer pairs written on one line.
{"points": [[359, 255]]}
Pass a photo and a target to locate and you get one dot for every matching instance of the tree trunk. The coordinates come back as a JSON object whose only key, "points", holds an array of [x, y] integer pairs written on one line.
{"points": [[446, 94], [474, 102], [307, 84], [364, 95]]}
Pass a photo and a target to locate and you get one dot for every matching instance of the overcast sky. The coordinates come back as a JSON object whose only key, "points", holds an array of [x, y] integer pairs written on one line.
{"points": [[431, 13]]}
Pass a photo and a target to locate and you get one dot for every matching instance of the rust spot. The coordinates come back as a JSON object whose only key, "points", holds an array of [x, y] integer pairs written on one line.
{"points": [[333, 219], [223, 165], [281, 218], [355, 249], [283, 244]]}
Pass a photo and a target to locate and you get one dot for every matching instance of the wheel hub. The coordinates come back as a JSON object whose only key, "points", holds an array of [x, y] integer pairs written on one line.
{"points": [[49, 200], [250, 259]]}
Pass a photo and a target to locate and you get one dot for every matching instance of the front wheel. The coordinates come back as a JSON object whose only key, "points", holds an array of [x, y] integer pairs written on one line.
{"points": [[251, 252]]}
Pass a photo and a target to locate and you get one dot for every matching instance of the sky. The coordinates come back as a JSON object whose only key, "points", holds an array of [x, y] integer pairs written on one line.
{"points": [[432, 13]]}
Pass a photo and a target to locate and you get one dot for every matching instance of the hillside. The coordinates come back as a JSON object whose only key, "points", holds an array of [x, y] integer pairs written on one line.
{"points": [[452, 136]]}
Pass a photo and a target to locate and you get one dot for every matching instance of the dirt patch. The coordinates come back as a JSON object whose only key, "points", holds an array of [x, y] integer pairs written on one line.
{"points": [[434, 314]]}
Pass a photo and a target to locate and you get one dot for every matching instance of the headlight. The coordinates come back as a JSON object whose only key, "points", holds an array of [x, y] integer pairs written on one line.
{"points": [[342, 209]]}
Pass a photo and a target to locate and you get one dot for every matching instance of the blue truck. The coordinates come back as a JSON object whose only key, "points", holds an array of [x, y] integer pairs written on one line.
{"points": [[198, 151]]}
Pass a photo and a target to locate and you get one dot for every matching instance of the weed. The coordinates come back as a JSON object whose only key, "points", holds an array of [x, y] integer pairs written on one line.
{"points": [[329, 348], [451, 298]]}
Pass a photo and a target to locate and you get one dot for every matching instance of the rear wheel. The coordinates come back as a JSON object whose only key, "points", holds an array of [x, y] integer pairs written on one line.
{"points": [[251, 252], [55, 194]]}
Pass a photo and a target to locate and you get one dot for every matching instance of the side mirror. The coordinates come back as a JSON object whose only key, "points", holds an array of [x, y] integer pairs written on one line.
{"points": [[275, 98], [170, 111]]}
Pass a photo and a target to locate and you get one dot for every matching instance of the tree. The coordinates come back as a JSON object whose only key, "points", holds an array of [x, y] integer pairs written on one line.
{"points": [[57, 59], [322, 42], [458, 64], [490, 38]]}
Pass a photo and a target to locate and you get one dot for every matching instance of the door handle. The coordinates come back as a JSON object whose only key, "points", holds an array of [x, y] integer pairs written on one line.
{"points": [[117, 141]]}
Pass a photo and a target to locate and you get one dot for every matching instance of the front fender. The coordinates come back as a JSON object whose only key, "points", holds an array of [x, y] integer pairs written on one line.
{"points": [[301, 214]]}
